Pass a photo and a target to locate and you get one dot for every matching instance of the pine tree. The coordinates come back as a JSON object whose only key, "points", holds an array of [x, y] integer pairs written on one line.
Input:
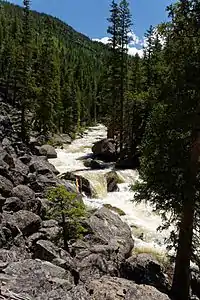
{"points": [[68, 74], [114, 67], [119, 29], [170, 147], [124, 30], [148, 51], [69, 211], [48, 92], [26, 72]]}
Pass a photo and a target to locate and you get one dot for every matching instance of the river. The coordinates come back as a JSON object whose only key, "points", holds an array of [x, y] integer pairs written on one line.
{"points": [[141, 219]]}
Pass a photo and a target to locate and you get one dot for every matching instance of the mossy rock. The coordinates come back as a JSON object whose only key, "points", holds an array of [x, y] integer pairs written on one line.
{"points": [[90, 210], [115, 176], [113, 179], [161, 256], [119, 211]]}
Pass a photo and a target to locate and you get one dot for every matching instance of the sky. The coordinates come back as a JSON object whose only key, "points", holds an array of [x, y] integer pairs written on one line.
{"points": [[90, 16]]}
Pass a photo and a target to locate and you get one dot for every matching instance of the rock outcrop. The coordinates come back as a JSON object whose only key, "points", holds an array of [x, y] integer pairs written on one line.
{"points": [[122, 289], [104, 248], [48, 151], [144, 269], [33, 263], [105, 150]]}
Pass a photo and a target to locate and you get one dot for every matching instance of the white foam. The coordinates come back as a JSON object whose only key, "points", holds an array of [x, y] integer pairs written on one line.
{"points": [[139, 216]]}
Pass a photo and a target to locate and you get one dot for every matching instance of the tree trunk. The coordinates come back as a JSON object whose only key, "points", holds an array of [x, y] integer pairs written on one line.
{"points": [[181, 281], [65, 233], [122, 101], [110, 132]]}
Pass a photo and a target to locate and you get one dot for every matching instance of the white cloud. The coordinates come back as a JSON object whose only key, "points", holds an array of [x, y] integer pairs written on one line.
{"points": [[104, 40], [133, 51], [134, 39], [156, 34], [134, 46]]}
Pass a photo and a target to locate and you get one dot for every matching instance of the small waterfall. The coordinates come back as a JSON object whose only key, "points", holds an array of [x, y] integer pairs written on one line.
{"points": [[97, 181], [140, 217]]}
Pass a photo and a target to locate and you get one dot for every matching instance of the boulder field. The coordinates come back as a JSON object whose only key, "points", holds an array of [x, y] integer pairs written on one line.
{"points": [[33, 262]]}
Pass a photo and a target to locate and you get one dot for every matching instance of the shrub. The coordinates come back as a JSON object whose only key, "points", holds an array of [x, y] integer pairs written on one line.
{"points": [[69, 211]]}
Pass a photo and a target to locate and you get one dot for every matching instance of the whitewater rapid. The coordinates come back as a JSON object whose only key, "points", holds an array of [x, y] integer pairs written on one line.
{"points": [[140, 217]]}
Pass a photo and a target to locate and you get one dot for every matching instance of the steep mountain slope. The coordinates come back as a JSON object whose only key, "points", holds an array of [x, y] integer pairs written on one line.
{"points": [[66, 70]]}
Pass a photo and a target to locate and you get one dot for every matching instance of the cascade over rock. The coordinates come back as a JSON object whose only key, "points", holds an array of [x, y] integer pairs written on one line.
{"points": [[92, 184]]}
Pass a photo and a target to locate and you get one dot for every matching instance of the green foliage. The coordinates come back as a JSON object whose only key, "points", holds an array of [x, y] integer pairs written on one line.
{"points": [[119, 28], [69, 211], [134, 83], [170, 145], [50, 71]]}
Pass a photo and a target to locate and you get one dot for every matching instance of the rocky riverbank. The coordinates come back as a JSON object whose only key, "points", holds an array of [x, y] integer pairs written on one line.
{"points": [[33, 262]]}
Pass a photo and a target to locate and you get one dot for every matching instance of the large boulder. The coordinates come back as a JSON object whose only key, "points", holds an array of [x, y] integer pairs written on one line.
{"points": [[41, 183], [60, 139], [46, 250], [6, 236], [106, 245], [19, 173], [113, 179], [93, 185], [27, 222], [13, 204], [24, 193], [144, 269], [4, 169], [96, 164], [28, 199], [108, 228], [111, 288], [12, 255], [6, 186], [41, 166], [95, 260], [8, 159], [36, 279], [48, 151], [51, 230], [37, 206], [105, 149]]}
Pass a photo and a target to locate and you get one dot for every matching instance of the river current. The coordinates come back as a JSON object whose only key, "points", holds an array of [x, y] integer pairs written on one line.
{"points": [[140, 217]]}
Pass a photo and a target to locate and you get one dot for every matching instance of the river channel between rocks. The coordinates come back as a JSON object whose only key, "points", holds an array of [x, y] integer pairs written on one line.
{"points": [[141, 219]]}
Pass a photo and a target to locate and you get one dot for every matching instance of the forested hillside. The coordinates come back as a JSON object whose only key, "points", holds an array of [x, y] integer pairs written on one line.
{"points": [[62, 81], [65, 70]]}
